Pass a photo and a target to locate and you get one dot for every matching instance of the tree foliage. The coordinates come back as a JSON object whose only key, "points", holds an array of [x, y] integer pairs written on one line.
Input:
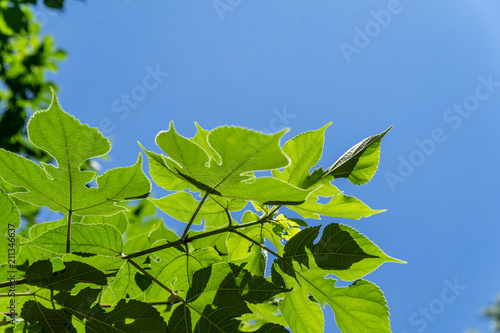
{"points": [[26, 56], [106, 268]]}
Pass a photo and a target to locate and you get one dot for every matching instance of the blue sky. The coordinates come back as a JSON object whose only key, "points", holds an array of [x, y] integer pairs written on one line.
{"points": [[429, 68]]}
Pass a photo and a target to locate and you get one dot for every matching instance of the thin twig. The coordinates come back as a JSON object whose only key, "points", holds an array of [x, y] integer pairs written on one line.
{"points": [[143, 271], [258, 244], [184, 234], [200, 236]]}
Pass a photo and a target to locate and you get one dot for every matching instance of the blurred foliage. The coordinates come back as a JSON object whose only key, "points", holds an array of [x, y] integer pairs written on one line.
{"points": [[25, 58], [493, 313]]}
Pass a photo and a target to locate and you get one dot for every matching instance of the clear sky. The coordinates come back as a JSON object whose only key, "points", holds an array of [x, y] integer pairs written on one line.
{"points": [[430, 68]]}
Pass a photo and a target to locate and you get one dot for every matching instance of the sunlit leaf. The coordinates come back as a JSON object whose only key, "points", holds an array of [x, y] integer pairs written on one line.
{"points": [[104, 239], [10, 220], [358, 164], [241, 151], [62, 188], [218, 296]]}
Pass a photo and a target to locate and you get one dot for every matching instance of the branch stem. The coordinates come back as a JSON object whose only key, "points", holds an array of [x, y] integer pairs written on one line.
{"points": [[229, 228], [143, 271], [185, 233], [200, 236], [257, 243]]}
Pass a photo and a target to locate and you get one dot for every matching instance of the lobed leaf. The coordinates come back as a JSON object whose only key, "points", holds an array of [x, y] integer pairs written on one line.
{"points": [[241, 152], [176, 268], [218, 296], [40, 318], [341, 250], [358, 164], [181, 205], [340, 205], [124, 284], [304, 151], [358, 308], [63, 188], [40, 274]]}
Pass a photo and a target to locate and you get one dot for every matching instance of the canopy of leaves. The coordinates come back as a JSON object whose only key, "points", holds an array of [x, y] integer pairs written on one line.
{"points": [[126, 271]]}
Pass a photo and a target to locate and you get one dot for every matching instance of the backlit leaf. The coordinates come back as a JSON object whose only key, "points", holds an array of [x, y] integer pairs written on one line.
{"points": [[241, 151], [218, 296], [104, 239], [62, 188]]}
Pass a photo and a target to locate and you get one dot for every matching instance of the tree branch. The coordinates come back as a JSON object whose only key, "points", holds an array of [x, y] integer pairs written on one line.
{"points": [[200, 236], [184, 234]]}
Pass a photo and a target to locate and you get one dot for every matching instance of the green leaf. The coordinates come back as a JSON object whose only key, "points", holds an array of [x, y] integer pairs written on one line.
{"points": [[131, 316], [341, 250], [271, 328], [10, 220], [181, 205], [79, 305], [162, 233], [40, 228], [119, 220], [358, 308], [241, 151], [104, 239], [358, 164], [217, 241], [263, 314], [124, 283], [48, 319], [218, 296], [102, 263], [162, 175], [300, 313], [40, 274], [304, 151], [15, 18], [62, 188], [243, 251], [201, 138], [176, 268], [340, 205]]}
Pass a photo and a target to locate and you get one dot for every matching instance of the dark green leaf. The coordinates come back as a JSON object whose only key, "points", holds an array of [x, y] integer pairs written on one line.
{"points": [[271, 328], [341, 250], [48, 319], [40, 274], [218, 296], [358, 164]]}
